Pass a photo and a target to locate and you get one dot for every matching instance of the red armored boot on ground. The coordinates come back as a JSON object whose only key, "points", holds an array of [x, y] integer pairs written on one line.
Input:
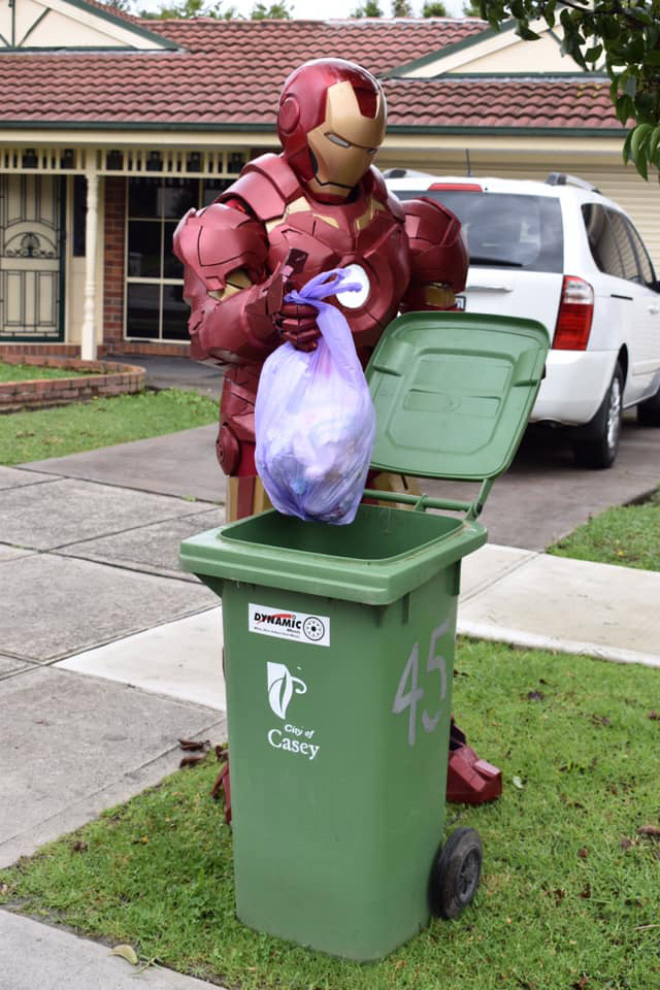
{"points": [[319, 205]]}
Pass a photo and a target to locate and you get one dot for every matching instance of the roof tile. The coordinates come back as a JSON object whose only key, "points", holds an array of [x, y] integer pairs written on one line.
{"points": [[228, 72]]}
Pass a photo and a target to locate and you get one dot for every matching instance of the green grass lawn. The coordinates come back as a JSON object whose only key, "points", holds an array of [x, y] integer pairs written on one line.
{"points": [[628, 535], [38, 434], [569, 897], [28, 372]]}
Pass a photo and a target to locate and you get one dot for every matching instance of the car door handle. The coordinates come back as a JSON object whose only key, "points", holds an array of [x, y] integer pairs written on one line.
{"points": [[483, 287]]}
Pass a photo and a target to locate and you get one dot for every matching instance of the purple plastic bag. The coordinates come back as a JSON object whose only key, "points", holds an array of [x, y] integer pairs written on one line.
{"points": [[314, 419]]}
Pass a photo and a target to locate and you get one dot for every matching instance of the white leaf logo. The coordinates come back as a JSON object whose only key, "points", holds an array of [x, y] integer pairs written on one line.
{"points": [[281, 687]]}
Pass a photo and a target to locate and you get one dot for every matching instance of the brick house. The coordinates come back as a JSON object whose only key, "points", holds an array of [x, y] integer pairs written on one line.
{"points": [[111, 127]]}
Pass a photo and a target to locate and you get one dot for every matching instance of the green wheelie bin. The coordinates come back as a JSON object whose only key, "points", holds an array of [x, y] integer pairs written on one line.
{"points": [[339, 651]]}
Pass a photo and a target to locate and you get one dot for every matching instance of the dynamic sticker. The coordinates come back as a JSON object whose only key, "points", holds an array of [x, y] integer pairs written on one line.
{"points": [[297, 627]]}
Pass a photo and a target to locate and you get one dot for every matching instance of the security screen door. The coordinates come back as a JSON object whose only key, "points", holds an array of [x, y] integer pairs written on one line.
{"points": [[30, 258]]}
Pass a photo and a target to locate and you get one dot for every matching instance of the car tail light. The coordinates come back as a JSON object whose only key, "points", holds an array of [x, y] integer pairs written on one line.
{"points": [[457, 186], [576, 313]]}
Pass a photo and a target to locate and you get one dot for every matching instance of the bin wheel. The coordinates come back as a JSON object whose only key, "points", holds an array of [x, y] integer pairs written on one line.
{"points": [[456, 872]]}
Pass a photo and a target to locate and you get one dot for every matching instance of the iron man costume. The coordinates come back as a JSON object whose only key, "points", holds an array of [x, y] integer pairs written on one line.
{"points": [[272, 231], [319, 205]]}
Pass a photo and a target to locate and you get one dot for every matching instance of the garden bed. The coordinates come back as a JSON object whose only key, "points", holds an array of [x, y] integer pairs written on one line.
{"points": [[87, 380]]}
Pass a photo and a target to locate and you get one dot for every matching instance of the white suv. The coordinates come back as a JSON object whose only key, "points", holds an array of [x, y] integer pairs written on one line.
{"points": [[561, 253]]}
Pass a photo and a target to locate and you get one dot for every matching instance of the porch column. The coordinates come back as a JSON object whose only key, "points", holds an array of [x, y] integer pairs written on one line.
{"points": [[88, 338]]}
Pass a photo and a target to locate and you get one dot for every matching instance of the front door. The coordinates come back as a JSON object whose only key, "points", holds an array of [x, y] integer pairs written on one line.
{"points": [[31, 306]]}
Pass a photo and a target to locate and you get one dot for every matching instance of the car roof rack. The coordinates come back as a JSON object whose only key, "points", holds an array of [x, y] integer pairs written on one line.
{"points": [[563, 179]]}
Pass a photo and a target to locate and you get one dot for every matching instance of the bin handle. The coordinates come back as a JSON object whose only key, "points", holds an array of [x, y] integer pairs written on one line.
{"points": [[422, 502]]}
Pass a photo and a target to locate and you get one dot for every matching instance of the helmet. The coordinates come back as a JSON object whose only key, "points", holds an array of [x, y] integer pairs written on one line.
{"points": [[331, 122]]}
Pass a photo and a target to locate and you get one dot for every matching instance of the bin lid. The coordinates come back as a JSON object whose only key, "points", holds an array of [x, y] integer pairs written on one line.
{"points": [[453, 392]]}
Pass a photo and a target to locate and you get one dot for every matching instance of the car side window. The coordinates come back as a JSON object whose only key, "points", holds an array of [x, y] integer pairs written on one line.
{"points": [[631, 271], [643, 261], [602, 240]]}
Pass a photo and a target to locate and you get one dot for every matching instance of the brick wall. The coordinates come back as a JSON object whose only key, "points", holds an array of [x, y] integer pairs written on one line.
{"points": [[137, 347], [101, 379], [7, 351], [113, 261]]}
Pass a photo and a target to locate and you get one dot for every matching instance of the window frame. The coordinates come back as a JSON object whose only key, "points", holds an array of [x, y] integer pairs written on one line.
{"points": [[162, 221], [604, 271], [638, 247]]}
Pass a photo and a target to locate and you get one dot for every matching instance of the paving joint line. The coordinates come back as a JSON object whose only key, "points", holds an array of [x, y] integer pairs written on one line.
{"points": [[134, 567], [30, 484], [58, 658], [171, 576], [123, 487], [114, 532], [488, 583]]}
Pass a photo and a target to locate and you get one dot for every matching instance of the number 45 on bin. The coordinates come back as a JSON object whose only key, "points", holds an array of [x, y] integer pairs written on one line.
{"points": [[409, 695]]}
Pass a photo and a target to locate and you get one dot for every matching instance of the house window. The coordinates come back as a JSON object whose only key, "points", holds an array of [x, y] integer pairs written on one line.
{"points": [[155, 309]]}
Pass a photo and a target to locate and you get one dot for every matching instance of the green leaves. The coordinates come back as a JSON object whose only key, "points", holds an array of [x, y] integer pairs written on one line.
{"points": [[622, 40], [638, 147], [593, 54]]}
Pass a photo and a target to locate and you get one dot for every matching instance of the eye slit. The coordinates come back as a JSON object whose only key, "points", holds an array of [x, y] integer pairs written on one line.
{"points": [[338, 140]]}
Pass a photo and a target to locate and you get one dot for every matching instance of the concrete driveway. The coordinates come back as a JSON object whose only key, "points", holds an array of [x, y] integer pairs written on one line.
{"points": [[543, 496]]}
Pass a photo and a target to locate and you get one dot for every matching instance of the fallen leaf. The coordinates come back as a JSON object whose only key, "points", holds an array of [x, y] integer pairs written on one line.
{"points": [[651, 830], [581, 983], [4, 888], [126, 952], [601, 720], [194, 745], [583, 852], [586, 892], [80, 846], [654, 716], [517, 782], [626, 843], [535, 696]]}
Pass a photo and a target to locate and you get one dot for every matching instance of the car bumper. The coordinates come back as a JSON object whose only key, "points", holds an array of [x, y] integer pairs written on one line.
{"points": [[574, 386]]}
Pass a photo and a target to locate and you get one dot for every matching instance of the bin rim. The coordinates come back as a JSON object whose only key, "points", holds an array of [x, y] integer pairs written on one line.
{"points": [[214, 556]]}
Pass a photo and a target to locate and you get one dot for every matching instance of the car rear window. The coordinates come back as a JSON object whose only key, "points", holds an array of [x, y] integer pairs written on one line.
{"points": [[506, 230]]}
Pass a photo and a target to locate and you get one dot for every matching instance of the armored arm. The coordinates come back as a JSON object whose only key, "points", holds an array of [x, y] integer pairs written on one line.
{"points": [[438, 256], [232, 296]]}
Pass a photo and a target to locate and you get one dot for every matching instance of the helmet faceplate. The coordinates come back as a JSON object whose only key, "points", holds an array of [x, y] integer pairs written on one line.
{"points": [[331, 121]]}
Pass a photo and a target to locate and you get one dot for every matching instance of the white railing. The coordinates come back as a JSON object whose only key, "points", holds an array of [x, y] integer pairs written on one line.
{"points": [[173, 162]]}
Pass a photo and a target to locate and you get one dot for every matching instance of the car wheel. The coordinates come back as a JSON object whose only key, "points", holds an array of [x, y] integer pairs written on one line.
{"points": [[600, 450], [648, 412]]}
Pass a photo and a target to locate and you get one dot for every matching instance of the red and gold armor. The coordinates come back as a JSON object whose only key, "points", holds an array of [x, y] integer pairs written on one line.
{"points": [[317, 206]]}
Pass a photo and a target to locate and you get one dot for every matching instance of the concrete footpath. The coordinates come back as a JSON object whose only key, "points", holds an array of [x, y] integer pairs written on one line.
{"points": [[109, 654]]}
